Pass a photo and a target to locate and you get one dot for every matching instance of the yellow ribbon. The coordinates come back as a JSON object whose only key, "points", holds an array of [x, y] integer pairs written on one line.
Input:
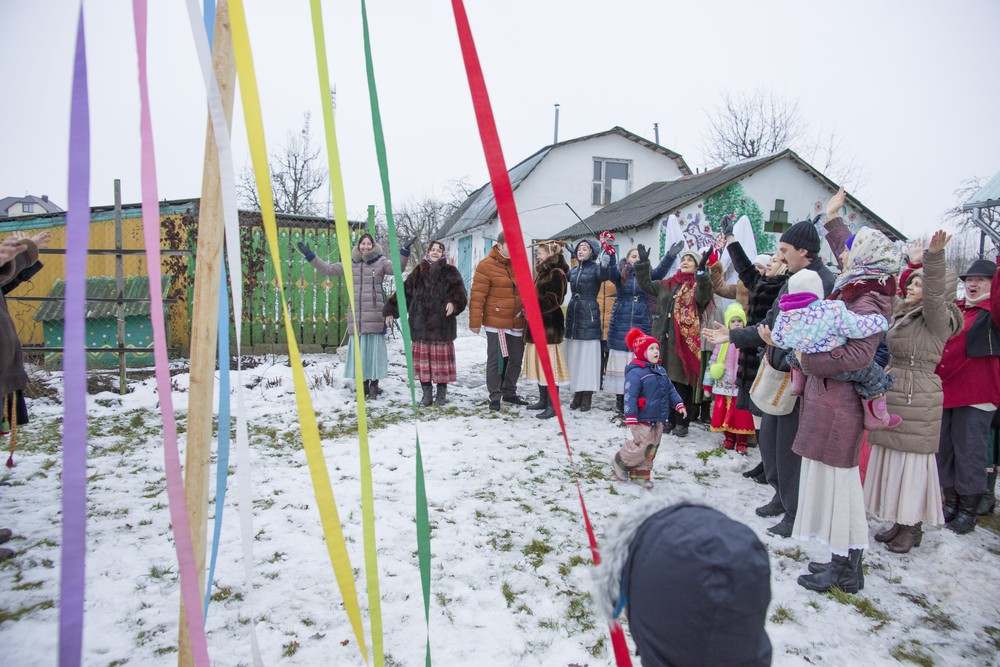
{"points": [[332, 531]]}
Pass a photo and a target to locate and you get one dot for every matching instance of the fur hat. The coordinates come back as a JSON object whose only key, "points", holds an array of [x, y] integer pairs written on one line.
{"points": [[802, 235], [639, 342], [806, 280], [762, 259], [983, 268]]}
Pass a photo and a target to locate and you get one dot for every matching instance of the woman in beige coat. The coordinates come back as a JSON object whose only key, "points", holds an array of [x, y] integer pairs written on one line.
{"points": [[902, 480]]}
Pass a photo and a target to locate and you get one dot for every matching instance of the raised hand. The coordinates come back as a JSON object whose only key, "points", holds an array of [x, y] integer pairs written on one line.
{"points": [[11, 248], [727, 225], [704, 259], [643, 253], [675, 249], [938, 241], [408, 242], [916, 251], [835, 203]]}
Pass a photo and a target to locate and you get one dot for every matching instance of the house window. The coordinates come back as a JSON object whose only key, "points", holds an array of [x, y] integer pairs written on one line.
{"points": [[27, 208], [611, 181]]}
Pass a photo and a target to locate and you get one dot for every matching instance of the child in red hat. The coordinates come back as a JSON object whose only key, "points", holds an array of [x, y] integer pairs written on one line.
{"points": [[649, 396]]}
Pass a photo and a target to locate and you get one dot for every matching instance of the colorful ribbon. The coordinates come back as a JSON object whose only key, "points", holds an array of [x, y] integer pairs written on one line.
{"points": [[504, 195], [74, 440], [422, 518], [171, 454], [325, 501]]}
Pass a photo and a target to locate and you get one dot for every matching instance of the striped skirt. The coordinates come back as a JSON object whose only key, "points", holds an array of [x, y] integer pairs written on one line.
{"points": [[374, 358], [434, 361]]}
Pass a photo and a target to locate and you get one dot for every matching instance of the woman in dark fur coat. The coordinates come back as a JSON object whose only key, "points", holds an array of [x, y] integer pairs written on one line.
{"points": [[435, 295], [550, 285]]}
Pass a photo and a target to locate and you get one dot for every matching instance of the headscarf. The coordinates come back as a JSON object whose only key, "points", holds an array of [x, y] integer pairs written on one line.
{"points": [[873, 257], [427, 253]]}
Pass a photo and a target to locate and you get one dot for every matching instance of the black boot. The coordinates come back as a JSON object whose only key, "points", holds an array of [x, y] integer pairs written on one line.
{"points": [[373, 390], [816, 568], [949, 506], [989, 499], [585, 400], [368, 384], [428, 398], [543, 399], [577, 400], [756, 470], [442, 395], [620, 403], [844, 573], [550, 409], [965, 520]]}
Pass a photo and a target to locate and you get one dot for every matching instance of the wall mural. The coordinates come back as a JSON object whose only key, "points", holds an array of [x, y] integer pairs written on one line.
{"points": [[702, 227]]}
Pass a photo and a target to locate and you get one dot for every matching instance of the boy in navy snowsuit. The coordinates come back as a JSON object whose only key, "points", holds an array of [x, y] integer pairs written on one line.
{"points": [[649, 396]]}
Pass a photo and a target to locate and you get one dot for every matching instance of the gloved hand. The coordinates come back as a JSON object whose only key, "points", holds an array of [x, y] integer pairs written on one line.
{"points": [[704, 259], [727, 225], [605, 258], [675, 249], [306, 250], [404, 249], [643, 253]]}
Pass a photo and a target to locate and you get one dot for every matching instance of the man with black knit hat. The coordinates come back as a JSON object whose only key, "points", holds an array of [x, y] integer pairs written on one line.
{"points": [[799, 250]]}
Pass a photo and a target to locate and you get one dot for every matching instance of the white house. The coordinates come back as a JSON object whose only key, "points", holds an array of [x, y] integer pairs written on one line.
{"points": [[558, 186], [11, 207], [774, 192]]}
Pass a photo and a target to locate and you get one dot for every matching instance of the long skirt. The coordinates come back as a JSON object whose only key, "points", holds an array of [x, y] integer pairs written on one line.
{"points": [[434, 361], [730, 419], [831, 507], [374, 358], [584, 357], [902, 487], [614, 374], [533, 365]]}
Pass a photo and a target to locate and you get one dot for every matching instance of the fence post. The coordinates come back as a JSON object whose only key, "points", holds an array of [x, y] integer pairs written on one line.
{"points": [[120, 288]]}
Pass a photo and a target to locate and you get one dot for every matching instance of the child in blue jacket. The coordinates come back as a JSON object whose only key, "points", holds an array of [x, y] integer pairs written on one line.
{"points": [[649, 396]]}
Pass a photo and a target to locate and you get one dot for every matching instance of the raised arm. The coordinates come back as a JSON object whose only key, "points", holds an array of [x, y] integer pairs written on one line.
{"points": [[723, 289], [660, 271], [642, 277]]}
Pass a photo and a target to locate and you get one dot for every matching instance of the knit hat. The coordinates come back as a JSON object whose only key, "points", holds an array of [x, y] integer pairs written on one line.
{"points": [[762, 259], [983, 268], [806, 280], [691, 253], [735, 310], [802, 235], [639, 342]]}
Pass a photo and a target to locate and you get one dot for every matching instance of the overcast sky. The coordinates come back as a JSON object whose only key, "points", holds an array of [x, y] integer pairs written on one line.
{"points": [[909, 88]]}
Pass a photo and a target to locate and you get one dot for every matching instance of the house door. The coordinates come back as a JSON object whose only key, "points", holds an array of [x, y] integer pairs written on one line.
{"points": [[464, 260]]}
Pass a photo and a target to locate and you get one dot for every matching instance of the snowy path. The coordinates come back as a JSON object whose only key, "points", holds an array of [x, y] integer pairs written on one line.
{"points": [[510, 556]]}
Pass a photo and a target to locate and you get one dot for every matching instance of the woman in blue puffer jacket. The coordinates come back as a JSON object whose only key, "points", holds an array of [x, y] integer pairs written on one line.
{"points": [[583, 322], [631, 311]]}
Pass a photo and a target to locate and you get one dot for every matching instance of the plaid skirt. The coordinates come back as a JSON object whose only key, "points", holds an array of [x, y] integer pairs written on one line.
{"points": [[434, 361]]}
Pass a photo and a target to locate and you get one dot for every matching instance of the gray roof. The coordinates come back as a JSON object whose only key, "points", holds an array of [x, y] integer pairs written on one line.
{"points": [[648, 205], [481, 207], [46, 204], [136, 287]]}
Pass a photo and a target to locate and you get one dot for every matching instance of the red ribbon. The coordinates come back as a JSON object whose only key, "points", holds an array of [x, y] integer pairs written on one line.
{"points": [[503, 193]]}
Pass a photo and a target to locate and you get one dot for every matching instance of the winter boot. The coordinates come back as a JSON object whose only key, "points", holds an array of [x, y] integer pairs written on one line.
{"points": [[585, 401], [368, 384], [816, 568], [577, 400], [908, 537], [965, 520], [374, 390], [442, 395], [705, 412], [989, 499], [889, 534], [618, 468], [729, 444], [756, 470], [427, 399], [949, 506], [798, 382], [844, 573], [620, 403], [681, 431], [543, 399], [876, 415], [641, 477], [741, 448], [550, 408], [5, 534], [6, 553]]}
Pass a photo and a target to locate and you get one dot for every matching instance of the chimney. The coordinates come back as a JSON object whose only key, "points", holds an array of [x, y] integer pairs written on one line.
{"points": [[45, 197], [555, 132], [656, 133]]}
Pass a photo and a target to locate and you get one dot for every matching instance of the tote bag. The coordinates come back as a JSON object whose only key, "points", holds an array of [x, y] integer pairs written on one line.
{"points": [[771, 390]]}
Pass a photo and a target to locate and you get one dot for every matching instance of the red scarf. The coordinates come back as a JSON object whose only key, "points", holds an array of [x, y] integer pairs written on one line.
{"points": [[687, 325]]}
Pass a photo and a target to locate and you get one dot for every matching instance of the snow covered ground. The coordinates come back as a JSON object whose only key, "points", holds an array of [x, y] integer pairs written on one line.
{"points": [[511, 566]]}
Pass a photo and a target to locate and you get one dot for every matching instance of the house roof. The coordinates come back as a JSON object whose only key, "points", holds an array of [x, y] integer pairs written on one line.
{"points": [[45, 203], [987, 196], [136, 287], [481, 207], [652, 202]]}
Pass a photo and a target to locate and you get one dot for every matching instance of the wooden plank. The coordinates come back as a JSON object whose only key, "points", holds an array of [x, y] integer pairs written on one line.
{"points": [[283, 266], [308, 291]]}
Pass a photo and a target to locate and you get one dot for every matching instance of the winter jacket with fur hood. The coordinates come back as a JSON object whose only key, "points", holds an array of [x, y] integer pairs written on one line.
{"points": [[12, 374], [369, 271], [583, 316], [550, 286], [694, 584], [428, 289], [495, 301], [916, 339]]}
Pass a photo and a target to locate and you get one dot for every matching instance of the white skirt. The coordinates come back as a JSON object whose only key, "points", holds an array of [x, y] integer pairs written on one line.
{"points": [[903, 487], [614, 374], [584, 357], [831, 507]]}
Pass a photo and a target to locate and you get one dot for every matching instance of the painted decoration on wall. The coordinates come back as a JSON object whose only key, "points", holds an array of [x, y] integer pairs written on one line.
{"points": [[732, 200]]}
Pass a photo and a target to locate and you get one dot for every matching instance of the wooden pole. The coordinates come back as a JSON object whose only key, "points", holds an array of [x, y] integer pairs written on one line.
{"points": [[204, 323], [120, 288]]}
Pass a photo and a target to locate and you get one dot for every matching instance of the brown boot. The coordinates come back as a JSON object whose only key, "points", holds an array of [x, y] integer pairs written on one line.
{"points": [[908, 537], [585, 401], [577, 400], [889, 534]]}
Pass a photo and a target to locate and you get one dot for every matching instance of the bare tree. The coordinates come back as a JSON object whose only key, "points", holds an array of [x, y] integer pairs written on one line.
{"points": [[297, 175], [828, 154], [749, 124], [964, 219]]}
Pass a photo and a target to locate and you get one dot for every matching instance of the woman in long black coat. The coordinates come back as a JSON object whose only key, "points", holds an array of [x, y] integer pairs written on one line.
{"points": [[550, 286], [435, 295], [583, 322]]}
